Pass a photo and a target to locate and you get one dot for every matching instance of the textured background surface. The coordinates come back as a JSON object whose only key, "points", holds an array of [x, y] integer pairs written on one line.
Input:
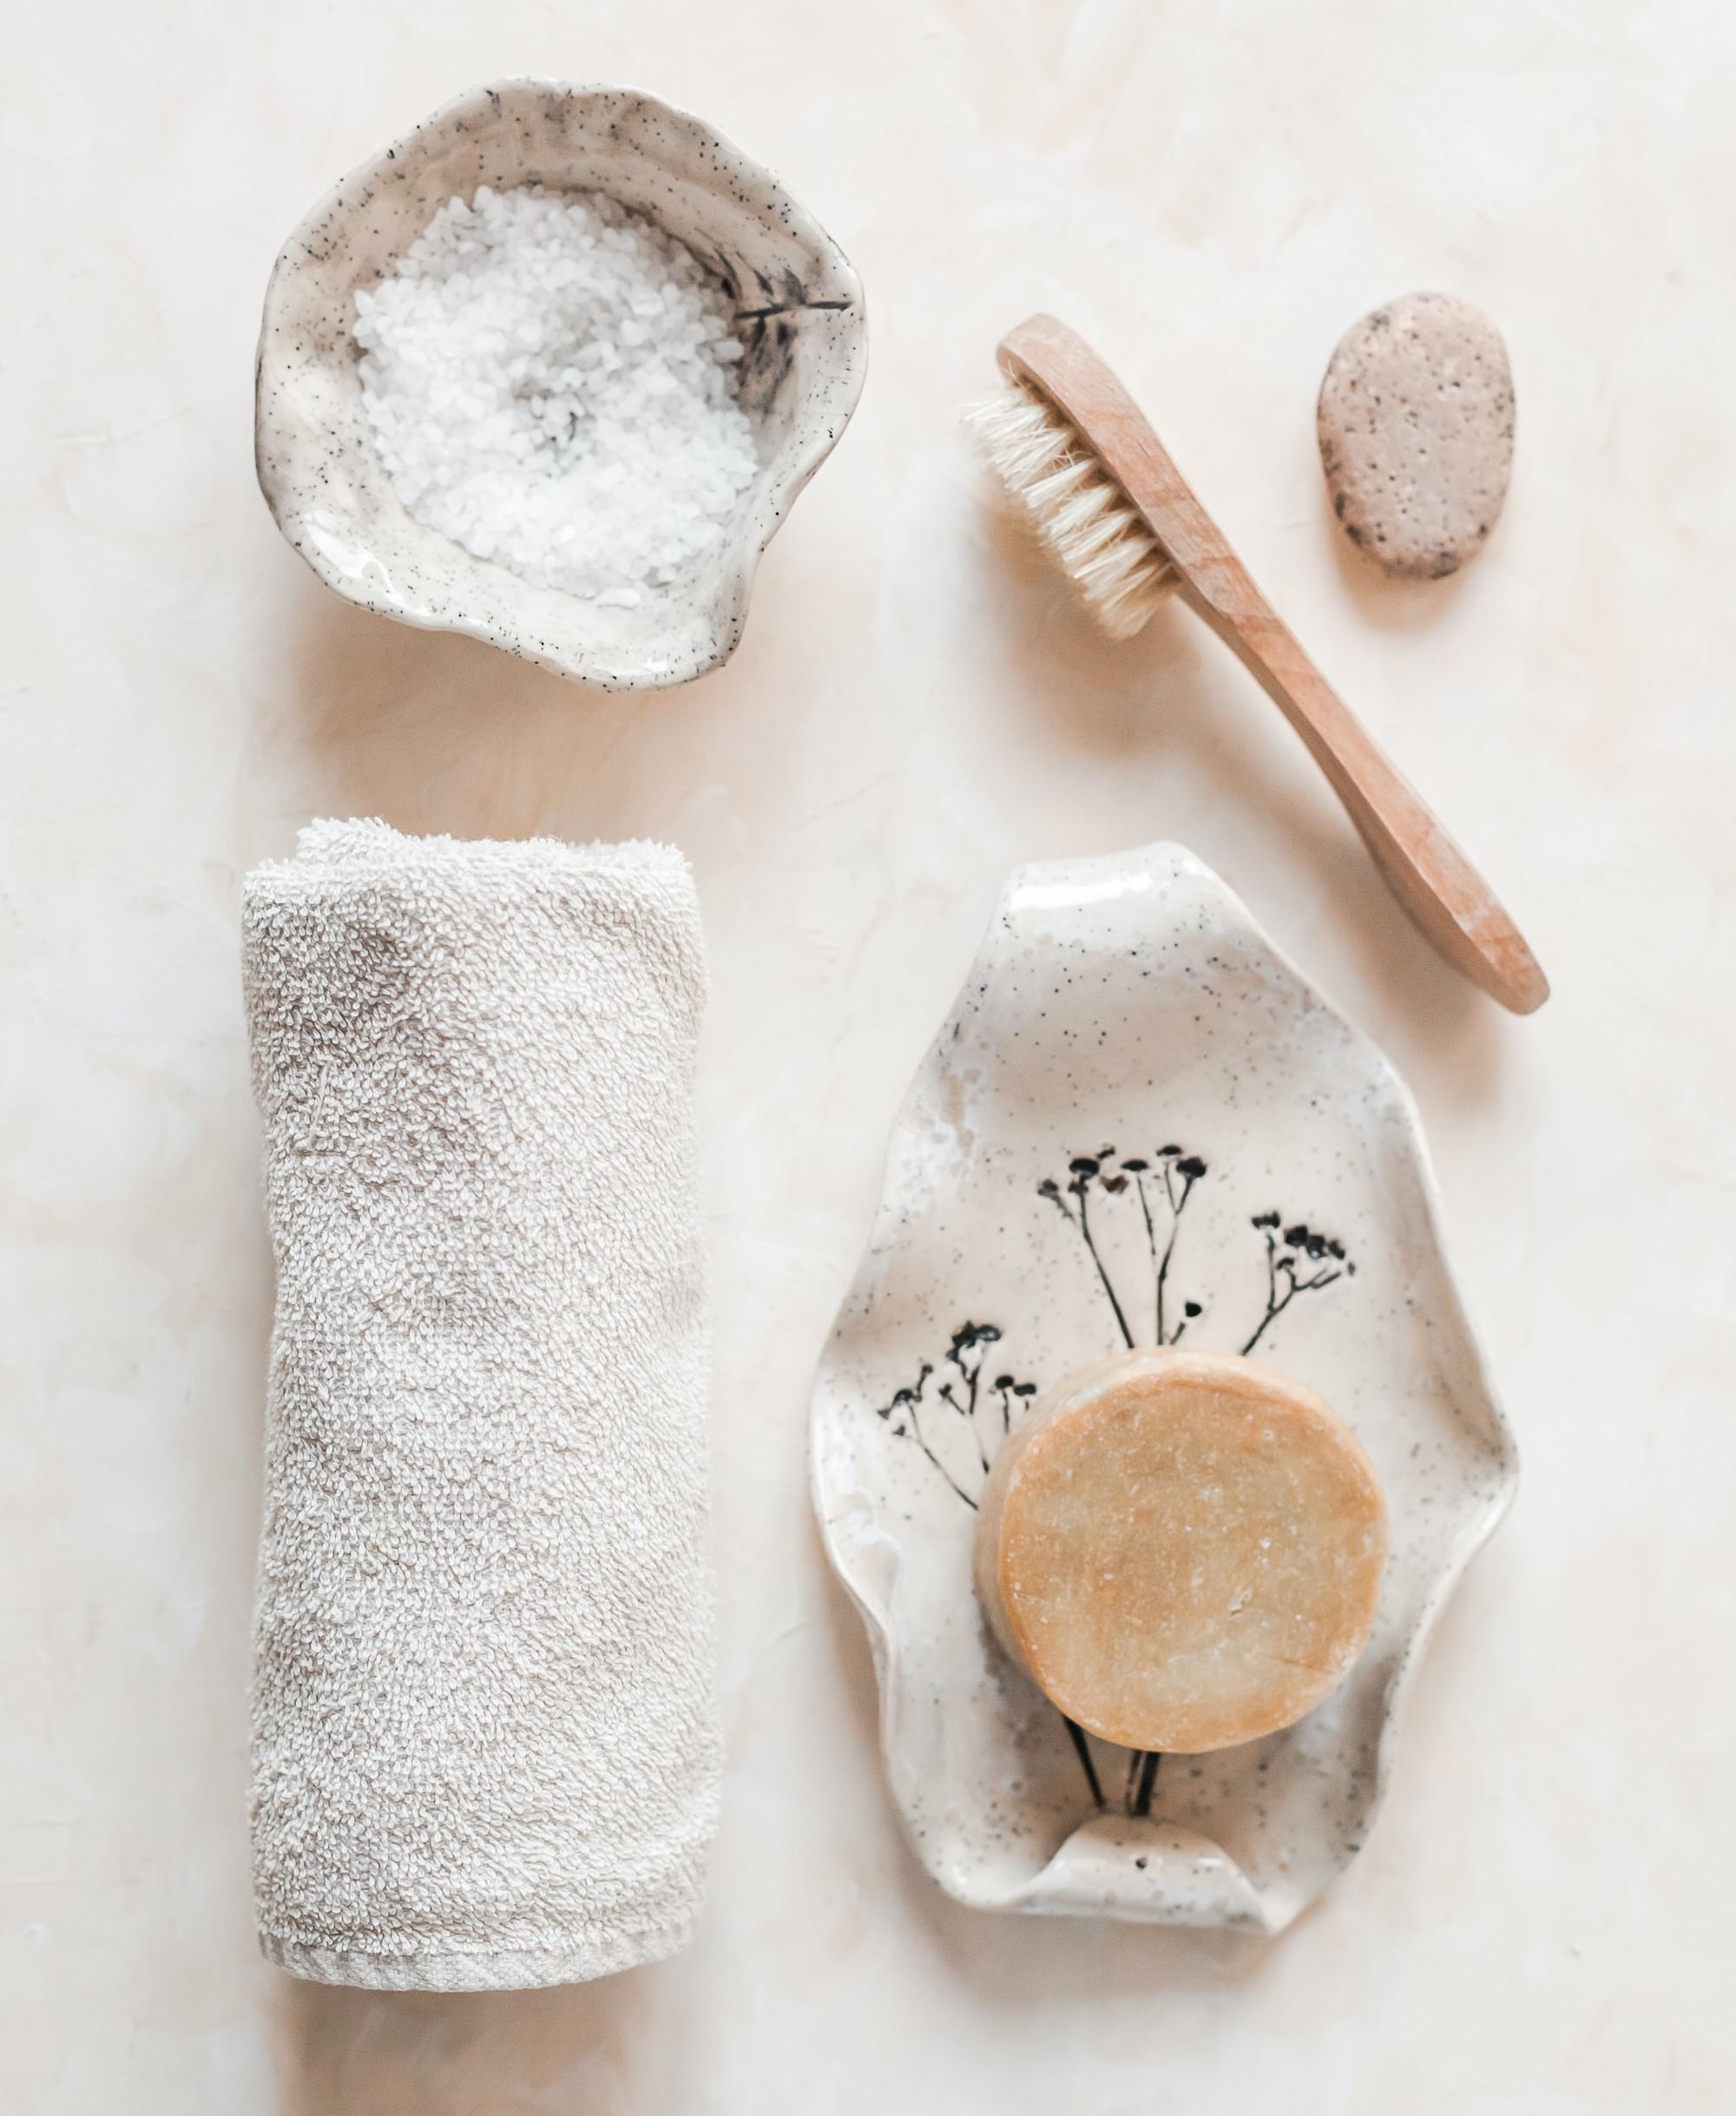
{"points": [[1214, 191]]}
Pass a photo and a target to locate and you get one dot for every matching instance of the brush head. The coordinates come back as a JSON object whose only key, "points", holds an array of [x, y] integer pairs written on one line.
{"points": [[1102, 542]]}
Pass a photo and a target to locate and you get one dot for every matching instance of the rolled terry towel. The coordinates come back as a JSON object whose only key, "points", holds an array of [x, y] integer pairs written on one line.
{"points": [[486, 1748]]}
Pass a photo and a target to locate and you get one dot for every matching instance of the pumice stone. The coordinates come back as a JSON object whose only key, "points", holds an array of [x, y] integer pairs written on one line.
{"points": [[1416, 430]]}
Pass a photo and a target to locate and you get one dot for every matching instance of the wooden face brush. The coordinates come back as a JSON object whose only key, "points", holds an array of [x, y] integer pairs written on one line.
{"points": [[1068, 441]]}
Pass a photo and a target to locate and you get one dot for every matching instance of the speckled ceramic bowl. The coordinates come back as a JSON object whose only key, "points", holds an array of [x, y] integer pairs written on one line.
{"points": [[800, 318]]}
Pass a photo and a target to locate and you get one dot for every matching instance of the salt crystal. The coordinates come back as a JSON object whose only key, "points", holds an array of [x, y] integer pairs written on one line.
{"points": [[550, 382]]}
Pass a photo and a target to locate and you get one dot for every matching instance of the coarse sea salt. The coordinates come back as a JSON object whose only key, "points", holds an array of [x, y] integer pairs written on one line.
{"points": [[551, 383]]}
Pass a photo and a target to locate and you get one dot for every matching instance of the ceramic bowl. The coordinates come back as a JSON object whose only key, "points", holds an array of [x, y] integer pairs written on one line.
{"points": [[800, 318], [1140, 1124]]}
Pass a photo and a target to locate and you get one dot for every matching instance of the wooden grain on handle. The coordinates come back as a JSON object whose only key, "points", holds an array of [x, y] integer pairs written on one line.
{"points": [[1446, 896]]}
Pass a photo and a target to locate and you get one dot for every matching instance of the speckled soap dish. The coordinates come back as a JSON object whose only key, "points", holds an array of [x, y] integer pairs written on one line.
{"points": [[1139, 1125], [799, 316]]}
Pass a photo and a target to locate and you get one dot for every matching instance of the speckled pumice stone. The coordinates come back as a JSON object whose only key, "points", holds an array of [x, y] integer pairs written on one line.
{"points": [[1416, 430]]}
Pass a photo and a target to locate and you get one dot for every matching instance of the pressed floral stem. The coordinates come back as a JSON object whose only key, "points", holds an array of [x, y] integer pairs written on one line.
{"points": [[974, 1377], [1151, 1243], [1275, 1303], [1083, 1747], [1177, 1206], [916, 1435], [968, 1412], [1160, 1262], [1085, 1229]]}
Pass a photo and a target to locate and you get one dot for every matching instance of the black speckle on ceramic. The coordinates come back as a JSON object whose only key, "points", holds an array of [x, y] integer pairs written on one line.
{"points": [[1139, 1125], [802, 322]]}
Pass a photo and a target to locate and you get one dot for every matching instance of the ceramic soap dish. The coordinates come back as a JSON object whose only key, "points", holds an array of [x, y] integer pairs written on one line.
{"points": [[1138, 1125]]}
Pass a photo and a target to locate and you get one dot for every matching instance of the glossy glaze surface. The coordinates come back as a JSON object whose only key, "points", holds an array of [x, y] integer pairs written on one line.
{"points": [[1139, 1118]]}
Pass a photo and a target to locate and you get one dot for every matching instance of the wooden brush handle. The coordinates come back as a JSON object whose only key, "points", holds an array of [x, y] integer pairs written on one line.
{"points": [[1446, 896]]}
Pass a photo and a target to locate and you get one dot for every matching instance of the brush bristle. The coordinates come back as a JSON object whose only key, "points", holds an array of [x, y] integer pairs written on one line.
{"points": [[1078, 509]]}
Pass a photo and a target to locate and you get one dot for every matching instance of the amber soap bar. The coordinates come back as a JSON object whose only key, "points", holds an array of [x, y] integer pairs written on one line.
{"points": [[1183, 1550]]}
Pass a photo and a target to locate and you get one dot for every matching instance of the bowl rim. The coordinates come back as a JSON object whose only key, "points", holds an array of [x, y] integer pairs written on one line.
{"points": [[808, 444]]}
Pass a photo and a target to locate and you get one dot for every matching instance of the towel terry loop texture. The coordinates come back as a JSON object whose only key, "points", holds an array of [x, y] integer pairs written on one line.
{"points": [[486, 1748]]}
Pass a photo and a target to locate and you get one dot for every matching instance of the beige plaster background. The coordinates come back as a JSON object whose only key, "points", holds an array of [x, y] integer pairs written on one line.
{"points": [[1213, 189]]}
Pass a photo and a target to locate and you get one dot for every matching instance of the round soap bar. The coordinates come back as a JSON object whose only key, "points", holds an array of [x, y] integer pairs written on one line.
{"points": [[1416, 429], [1183, 1549]]}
